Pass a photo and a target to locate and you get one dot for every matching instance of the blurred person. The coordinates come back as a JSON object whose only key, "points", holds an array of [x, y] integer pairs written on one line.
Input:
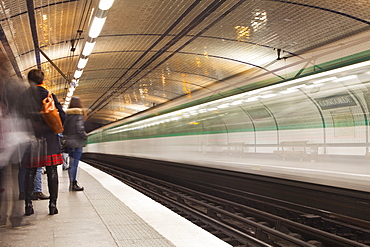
{"points": [[15, 136], [74, 132], [14, 129], [47, 150], [3, 165]]}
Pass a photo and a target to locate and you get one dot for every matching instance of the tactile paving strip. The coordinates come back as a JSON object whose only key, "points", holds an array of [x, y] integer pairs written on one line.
{"points": [[126, 227]]}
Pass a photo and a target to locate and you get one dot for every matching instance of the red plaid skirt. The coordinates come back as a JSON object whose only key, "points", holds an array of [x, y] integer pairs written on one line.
{"points": [[49, 160]]}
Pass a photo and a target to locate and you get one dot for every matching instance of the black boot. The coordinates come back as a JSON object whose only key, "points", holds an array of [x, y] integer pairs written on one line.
{"points": [[28, 187], [74, 186], [53, 208], [28, 210], [53, 184]]}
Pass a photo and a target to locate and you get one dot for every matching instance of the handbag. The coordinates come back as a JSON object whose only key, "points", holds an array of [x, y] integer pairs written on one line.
{"points": [[51, 115]]}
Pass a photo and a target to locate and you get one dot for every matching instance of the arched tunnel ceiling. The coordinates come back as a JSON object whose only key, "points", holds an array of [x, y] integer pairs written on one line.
{"points": [[153, 51]]}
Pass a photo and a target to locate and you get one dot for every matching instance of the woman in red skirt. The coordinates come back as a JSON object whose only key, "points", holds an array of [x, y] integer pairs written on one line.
{"points": [[46, 149]]}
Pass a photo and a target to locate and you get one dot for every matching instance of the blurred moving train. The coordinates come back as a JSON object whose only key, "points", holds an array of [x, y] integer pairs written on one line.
{"points": [[312, 129]]}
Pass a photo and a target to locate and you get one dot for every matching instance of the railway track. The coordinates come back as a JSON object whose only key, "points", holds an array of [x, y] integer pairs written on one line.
{"points": [[247, 219]]}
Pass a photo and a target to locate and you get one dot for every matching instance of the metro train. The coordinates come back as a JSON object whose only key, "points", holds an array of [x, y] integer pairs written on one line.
{"points": [[312, 129]]}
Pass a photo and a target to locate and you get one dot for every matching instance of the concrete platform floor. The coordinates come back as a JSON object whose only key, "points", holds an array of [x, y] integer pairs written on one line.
{"points": [[107, 213]]}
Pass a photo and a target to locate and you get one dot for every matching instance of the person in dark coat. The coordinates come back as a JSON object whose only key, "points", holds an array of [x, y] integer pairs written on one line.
{"points": [[48, 151], [74, 132]]}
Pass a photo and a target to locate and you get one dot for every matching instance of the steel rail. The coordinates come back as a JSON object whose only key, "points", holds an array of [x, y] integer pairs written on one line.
{"points": [[143, 184], [288, 209]]}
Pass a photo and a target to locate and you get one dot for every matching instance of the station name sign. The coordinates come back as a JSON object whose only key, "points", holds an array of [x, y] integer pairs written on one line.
{"points": [[336, 101]]}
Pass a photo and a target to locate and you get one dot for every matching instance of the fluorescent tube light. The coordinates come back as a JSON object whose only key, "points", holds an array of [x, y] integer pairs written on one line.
{"points": [[82, 63], [78, 74], [105, 4], [96, 26], [88, 48]]}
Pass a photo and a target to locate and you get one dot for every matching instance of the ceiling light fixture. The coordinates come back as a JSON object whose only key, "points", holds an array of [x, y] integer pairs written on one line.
{"points": [[78, 74], [95, 28], [105, 4], [89, 46], [82, 63]]}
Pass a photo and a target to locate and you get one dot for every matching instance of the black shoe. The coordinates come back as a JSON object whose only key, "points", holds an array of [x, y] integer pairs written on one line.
{"points": [[53, 209], [39, 195], [21, 196], [29, 209], [74, 187]]}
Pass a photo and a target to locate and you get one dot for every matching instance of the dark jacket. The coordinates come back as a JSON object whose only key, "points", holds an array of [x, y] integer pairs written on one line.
{"points": [[30, 105], [74, 128]]}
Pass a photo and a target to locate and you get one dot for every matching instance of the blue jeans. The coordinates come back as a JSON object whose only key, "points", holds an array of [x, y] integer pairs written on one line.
{"points": [[38, 180], [65, 160], [74, 158]]}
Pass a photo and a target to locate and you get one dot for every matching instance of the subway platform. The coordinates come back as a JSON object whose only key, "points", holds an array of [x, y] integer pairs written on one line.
{"points": [[106, 213]]}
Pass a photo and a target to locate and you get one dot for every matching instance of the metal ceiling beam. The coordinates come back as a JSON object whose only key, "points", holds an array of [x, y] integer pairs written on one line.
{"points": [[32, 20], [37, 49], [9, 52], [52, 63]]}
